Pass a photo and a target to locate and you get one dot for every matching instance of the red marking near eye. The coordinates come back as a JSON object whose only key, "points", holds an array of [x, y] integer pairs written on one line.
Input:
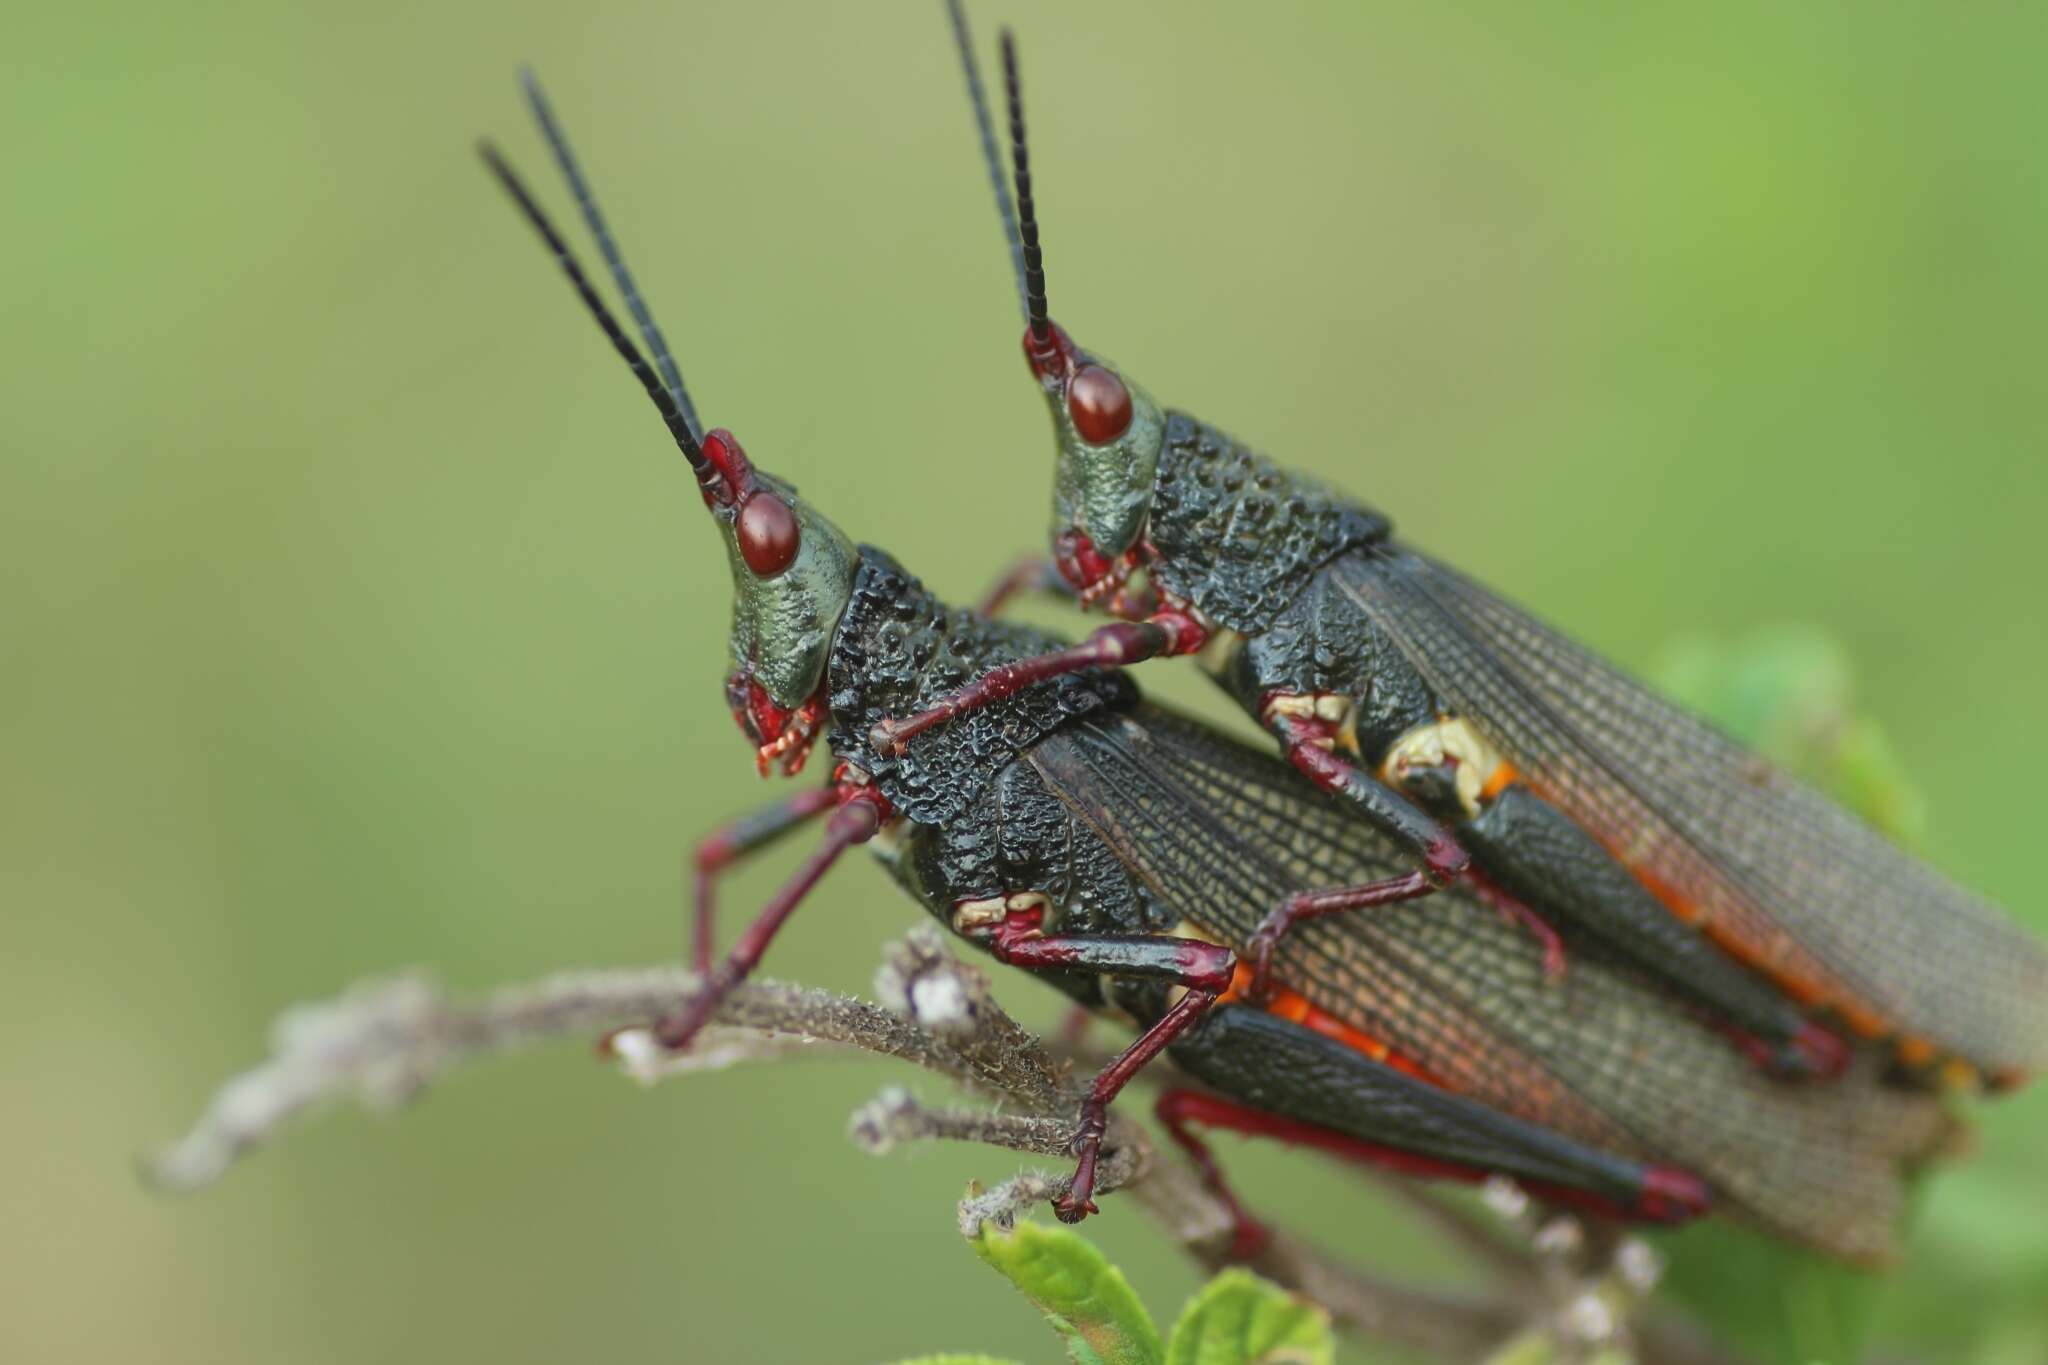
{"points": [[1090, 573], [1079, 562], [767, 533], [1097, 400], [1099, 404], [731, 476], [760, 719], [1052, 358], [780, 735]]}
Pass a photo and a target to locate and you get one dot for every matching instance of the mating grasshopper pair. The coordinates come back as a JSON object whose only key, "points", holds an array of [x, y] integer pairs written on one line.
{"points": [[1024, 793]]}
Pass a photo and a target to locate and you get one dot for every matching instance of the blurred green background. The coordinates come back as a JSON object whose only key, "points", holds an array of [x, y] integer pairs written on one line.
{"points": [[357, 613]]}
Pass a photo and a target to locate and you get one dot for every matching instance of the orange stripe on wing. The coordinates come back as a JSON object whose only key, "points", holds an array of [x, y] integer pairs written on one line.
{"points": [[1295, 1008], [1766, 958], [1504, 776], [1769, 959]]}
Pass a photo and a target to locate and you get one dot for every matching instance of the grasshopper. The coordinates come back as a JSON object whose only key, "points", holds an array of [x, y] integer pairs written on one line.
{"points": [[1124, 854], [1486, 744]]}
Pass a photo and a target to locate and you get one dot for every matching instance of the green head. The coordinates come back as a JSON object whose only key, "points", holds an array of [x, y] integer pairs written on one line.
{"points": [[792, 570], [1107, 430], [792, 576]]}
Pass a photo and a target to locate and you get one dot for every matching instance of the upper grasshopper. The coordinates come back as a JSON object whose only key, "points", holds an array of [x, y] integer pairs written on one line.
{"points": [[1487, 744], [1125, 854]]}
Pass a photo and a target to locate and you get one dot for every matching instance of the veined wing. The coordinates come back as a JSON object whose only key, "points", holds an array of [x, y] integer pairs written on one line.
{"points": [[1777, 873], [1220, 832]]}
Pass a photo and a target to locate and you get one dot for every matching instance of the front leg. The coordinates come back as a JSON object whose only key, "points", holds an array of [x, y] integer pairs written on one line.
{"points": [[1041, 577], [1203, 968], [743, 837], [1034, 574], [860, 815], [1163, 634]]}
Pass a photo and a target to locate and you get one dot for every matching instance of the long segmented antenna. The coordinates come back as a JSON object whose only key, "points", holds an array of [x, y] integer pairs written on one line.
{"points": [[608, 247], [990, 157], [677, 420], [1027, 212]]}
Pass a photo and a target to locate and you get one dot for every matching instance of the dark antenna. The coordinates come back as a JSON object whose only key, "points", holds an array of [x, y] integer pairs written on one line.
{"points": [[990, 157], [664, 401], [1027, 212], [586, 201]]}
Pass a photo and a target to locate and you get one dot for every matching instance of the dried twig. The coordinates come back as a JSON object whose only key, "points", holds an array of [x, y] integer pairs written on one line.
{"points": [[383, 1042]]}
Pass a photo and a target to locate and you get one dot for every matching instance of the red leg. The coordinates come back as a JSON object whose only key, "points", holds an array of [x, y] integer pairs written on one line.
{"points": [[853, 823], [1126, 642], [1311, 904], [1078, 1202], [1308, 749], [727, 845], [1074, 1028], [1515, 911], [1811, 1053], [1203, 968], [1178, 1111], [1043, 576], [1311, 748], [1669, 1195], [1035, 574]]}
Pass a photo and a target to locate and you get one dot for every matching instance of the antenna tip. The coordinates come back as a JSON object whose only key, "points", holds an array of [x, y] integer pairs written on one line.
{"points": [[536, 98]]}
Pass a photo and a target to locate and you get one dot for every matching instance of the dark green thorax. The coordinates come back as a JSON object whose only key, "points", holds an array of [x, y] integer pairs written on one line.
{"points": [[1237, 536], [898, 647]]}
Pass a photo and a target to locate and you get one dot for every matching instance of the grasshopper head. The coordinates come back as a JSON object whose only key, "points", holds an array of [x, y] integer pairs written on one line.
{"points": [[792, 570], [1108, 432], [1107, 429], [792, 577]]}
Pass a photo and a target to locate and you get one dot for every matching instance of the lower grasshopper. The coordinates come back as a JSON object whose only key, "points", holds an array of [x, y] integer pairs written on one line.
{"points": [[1125, 854]]}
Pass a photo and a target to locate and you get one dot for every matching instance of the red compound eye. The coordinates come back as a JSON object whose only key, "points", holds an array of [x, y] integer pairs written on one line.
{"points": [[1100, 404], [767, 533]]}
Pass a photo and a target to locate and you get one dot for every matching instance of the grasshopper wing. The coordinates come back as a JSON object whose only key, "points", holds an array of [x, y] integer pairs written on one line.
{"points": [[1778, 874], [1220, 832]]}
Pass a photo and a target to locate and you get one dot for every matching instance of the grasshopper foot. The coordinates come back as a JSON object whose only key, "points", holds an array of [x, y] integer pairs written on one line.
{"points": [[1078, 1202]]}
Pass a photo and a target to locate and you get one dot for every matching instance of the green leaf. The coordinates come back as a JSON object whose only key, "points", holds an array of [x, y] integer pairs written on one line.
{"points": [[1240, 1319], [956, 1358], [1084, 1297]]}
